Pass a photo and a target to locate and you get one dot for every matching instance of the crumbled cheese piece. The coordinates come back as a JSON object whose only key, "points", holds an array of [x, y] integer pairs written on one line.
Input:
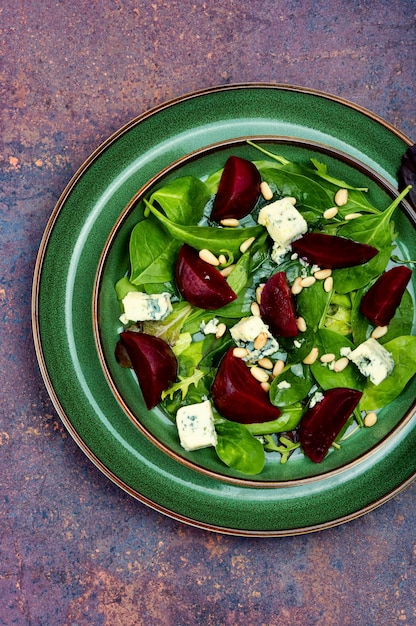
{"points": [[246, 331], [284, 224], [210, 328], [195, 424], [372, 359], [141, 307], [284, 384], [318, 396]]}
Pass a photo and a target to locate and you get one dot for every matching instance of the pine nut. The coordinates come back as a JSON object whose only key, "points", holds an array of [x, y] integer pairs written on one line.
{"points": [[259, 291], [308, 281], [328, 284], [240, 353], [380, 331], [208, 257], [259, 374], [297, 286], [352, 216], [266, 192], [341, 197], [231, 222], [322, 274], [246, 244], [255, 309], [260, 341], [370, 419], [327, 358], [266, 386], [265, 363], [278, 368], [301, 324], [226, 271], [291, 200], [311, 357], [221, 328], [341, 364], [330, 213], [222, 259]]}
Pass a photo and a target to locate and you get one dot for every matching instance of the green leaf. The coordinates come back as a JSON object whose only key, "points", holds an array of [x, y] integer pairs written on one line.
{"points": [[288, 420], [183, 199], [183, 385], [300, 382], [238, 449], [169, 328], [403, 351], [329, 342]]}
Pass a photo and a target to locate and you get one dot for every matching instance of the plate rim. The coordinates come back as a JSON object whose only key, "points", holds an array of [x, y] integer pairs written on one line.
{"points": [[36, 292]]}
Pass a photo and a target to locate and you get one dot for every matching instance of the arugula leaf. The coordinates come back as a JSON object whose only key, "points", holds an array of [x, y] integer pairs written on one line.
{"points": [[238, 448]]}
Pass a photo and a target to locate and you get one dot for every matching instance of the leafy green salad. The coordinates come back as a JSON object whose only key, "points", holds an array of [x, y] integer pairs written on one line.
{"points": [[293, 372]]}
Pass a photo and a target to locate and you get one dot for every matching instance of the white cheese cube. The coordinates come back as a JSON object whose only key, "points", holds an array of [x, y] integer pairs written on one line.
{"points": [[372, 359], [195, 424], [141, 307], [284, 224]]}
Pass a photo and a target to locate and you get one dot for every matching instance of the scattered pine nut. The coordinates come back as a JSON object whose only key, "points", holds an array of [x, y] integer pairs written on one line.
{"points": [[265, 363], [226, 271], [246, 244], [240, 353], [208, 257], [221, 328], [352, 216], [266, 386], [278, 368], [266, 192], [231, 222], [327, 358], [301, 324], [341, 197], [259, 291], [222, 259], [322, 274], [297, 286], [259, 374], [308, 281], [311, 357], [380, 331], [330, 213], [255, 309], [328, 284], [260, 341], [291, 200], [341, 364], [370, 419]]}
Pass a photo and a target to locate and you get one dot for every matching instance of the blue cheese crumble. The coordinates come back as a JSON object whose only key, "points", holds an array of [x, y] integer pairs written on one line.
{"points": [[372, 359], [284, 224], [246, 331], [141, 307], [195, 424]]}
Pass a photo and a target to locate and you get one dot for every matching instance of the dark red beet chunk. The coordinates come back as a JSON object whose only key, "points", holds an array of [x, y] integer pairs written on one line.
{"points": [[331, 251], [322, 423], [277, 307], [238, 396], [238, 190], [199, 283], [380, 302], [154, 363]]}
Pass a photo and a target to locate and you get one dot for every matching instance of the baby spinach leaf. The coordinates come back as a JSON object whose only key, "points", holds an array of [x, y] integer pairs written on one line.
{"points": [[403, 351], [289, 418], [123, 287], [329, 342], [402, 322], [182, 199], [291, 386], [238, 448], [312, 304]]}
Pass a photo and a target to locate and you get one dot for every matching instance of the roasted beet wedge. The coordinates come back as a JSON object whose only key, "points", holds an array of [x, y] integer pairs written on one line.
{"points": [[277, 307], [199, 283], [380, 302], [238, 396], [321, 424], [331, 251], [238, 190], [154, 363]]}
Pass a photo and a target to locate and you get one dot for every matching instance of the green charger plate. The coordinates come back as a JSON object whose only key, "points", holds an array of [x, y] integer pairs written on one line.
{"points": [[73, 313]]}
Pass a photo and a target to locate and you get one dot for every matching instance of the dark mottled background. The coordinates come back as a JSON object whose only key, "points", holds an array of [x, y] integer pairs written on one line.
{"points": [[74, 548]]}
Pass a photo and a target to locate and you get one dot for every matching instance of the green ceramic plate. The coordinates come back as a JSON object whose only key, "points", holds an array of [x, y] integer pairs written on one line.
{"points": [[73, 307]]}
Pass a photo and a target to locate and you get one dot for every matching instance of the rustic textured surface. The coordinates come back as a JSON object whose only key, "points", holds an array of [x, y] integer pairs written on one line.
{"points": [[75, 549]]}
